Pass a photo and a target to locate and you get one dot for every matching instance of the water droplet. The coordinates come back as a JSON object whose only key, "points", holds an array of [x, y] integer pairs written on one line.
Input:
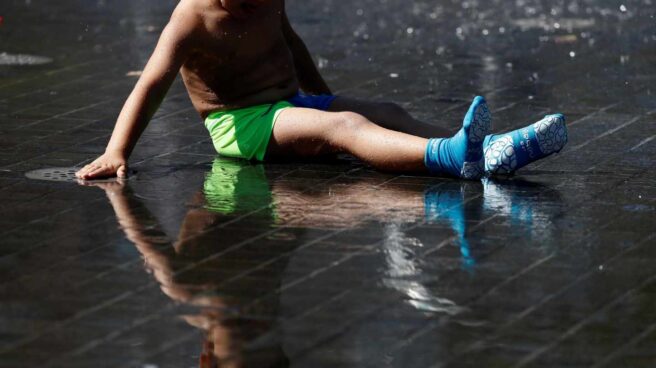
{"points": [[485, 32], [623, 8], [394, 75], [359, 12], [572, 54], [322, 63], [569, 38], [410, 30]]}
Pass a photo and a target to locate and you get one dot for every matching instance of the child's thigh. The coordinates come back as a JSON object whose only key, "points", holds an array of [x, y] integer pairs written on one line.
{"points": [[303, 132]]}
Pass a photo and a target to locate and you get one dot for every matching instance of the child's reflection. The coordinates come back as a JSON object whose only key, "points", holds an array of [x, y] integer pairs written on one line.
{"points": [[189, 271], [203, 269]]}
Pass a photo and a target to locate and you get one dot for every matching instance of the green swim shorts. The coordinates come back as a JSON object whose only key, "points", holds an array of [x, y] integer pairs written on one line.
{"points": [[244, 133]]}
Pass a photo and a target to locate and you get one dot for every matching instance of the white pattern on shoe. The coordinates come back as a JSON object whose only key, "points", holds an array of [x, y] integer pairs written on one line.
{"points": [[500, 157], [551, 133]]}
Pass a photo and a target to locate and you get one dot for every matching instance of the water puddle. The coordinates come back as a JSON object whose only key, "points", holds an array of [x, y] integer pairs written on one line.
{"points": [[22, 59]]}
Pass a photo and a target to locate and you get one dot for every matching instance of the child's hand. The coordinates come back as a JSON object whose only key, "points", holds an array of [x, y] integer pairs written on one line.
{"points": [[107, 165]]}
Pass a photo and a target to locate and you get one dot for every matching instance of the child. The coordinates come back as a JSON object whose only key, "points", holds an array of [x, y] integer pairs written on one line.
{"points": [[243, 65]]}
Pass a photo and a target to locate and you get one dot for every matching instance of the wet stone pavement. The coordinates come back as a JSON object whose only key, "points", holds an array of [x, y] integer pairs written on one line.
{"points": [[199, 260]]}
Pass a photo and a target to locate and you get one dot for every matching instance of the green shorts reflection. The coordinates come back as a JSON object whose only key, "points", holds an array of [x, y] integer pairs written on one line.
{"points": [[236, 187]]}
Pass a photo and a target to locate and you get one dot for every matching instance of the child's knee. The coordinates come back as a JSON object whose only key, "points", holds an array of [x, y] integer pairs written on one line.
{"points": [[335, 133], [348, 122]]}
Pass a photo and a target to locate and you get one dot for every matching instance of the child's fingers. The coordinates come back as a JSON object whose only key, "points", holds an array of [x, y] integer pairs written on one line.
{"points": [[83, 171], [92, 174], [122, 171], [87, 169], [97, 172]]}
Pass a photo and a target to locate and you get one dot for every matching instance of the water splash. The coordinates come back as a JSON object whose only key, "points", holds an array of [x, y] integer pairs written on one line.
{"points": [[404, 273]]}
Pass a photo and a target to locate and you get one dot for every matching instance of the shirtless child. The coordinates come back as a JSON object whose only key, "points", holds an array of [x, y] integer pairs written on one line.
{"points": [[243, 65]]}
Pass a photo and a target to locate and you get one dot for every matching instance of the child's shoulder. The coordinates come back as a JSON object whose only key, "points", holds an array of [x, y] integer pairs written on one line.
{"points": [[198, 12], [198, 9]]}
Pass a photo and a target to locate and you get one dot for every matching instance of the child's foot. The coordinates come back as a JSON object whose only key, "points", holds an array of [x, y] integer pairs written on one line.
{"points": [[462, 155], [506, 153]]}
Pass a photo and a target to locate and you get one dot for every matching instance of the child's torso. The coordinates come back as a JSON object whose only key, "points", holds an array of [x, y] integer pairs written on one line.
{"points": [[240, 63]]}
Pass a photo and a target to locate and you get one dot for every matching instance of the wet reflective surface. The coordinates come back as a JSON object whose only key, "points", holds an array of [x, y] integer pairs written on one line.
{"points": [[199, 261]]}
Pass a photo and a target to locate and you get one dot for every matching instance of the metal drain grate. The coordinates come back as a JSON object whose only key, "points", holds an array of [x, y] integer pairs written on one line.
{"points": [[66, 174], [54, 174]]}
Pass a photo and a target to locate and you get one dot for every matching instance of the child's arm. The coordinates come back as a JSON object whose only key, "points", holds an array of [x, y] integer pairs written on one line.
{"points": [[308, 75], [158, 75]]}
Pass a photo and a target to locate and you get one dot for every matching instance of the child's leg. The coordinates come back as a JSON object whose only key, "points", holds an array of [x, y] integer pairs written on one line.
{"points": [[310, 132], [389, 115], [504, 153]]}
